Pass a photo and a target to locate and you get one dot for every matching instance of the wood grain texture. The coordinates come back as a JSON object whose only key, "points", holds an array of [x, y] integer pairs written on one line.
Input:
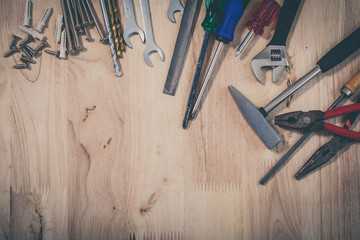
{"points": [[126, 168]]}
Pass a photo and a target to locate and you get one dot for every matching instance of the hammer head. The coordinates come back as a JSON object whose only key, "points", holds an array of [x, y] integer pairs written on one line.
{"points": [[255, 118], [273, 56]]}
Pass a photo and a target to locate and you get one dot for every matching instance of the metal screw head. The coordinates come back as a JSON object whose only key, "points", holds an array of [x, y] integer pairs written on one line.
{"points": [[14, 41], [27, 40], [306, 119]]}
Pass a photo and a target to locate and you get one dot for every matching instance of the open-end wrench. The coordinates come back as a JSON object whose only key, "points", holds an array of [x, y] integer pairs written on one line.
{"points": [[273, 56], [150, 42], [131, 25], [175, 6]]}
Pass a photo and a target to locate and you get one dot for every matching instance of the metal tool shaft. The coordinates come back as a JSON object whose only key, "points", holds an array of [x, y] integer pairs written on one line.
{"points": [[293, 88], [207, 78], [110, 39], [244, 42], [196, 80]]}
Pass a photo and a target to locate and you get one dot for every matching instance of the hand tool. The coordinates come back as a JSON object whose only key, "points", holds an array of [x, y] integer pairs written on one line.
{"points": [[110, 39], [266, 13], [175, 6], [328, 150], [28, 13], [273, 55], [43, 21], [233, 11], [149, 36], [349, 88], [256, 117], [116, 27], [315, 120], [131, 27], [96, 21], [181, 44], [214, 12]]}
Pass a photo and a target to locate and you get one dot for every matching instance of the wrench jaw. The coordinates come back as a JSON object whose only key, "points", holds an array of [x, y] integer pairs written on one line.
{"points": [[272, 56], [175, 6], [149, 50], [129, 31]]}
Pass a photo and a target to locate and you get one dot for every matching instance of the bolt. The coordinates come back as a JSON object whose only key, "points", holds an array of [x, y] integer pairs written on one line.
{"points": [[25, 59], [32, 33], [22, 66], [14, 41], [44, 20], [11, 52], [103, 38], [55, 53], [28, 14], [27, 40], [27, 53]]}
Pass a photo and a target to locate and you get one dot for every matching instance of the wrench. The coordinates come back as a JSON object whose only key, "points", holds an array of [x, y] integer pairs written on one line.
{"points": [[150, 42], [175, 6], [131, 25]]}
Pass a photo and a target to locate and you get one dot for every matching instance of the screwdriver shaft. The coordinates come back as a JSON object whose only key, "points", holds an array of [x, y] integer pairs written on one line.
{"points": [[244, 42], [196, 80], [207, 78]]}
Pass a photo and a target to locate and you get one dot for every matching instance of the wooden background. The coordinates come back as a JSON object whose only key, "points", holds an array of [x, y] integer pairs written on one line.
{"points": [[128, 169]]}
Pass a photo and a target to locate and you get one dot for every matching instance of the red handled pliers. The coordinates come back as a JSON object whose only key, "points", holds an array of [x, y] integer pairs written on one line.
{"points": [[314, 121]]}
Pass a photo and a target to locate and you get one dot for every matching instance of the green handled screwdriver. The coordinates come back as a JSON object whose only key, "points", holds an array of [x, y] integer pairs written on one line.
{"points": [[214, 12], [233, 11]]}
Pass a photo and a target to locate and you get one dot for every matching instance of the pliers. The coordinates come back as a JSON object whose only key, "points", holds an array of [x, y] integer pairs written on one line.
{"points": [[314, 121]]}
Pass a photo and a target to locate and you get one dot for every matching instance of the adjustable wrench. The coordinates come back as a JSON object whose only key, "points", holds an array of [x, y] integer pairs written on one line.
{"points": [[131, 25], [273, 56], [150, 42], [175, 6]]}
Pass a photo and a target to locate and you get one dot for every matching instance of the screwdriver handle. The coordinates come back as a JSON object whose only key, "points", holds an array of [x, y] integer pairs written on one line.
{"points": [[354, 83], [286, 19], [265, 13], [213, 16], [341, 51], [232, 13]]}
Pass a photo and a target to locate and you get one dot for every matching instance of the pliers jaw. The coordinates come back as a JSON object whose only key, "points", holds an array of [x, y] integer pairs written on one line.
{"points": [[309, 121]]}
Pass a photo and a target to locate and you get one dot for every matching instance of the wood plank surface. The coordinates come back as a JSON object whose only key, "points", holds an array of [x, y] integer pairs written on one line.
{"points": [[127, 169]]}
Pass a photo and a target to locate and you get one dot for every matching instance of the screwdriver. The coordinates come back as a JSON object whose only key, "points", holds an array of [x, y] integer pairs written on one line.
{"points": [[233, 11], [213, 16], [266, 13], [349, 88]]}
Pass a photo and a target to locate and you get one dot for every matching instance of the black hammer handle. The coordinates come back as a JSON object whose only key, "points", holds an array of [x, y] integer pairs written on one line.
{"points": [[340, 52], [286, 19]]}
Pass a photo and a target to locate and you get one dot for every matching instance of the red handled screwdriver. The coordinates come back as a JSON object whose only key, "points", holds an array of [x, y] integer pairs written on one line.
{"points": [[266, 13]]}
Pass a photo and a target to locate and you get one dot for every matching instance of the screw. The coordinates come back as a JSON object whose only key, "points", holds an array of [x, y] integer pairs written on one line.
{"points": [[25, 59], [77, 18], [27, 40], [78, 45], [42, 45], [88, 36], [27, 53], [30, 50], [67, 27], [55, 53], [11, 52], [28, 14], [22, 66], [14, 41], [103, 38], [87, 13], [85, 21], [44, 19], [32, 33]]}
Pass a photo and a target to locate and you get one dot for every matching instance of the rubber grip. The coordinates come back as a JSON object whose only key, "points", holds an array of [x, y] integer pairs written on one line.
{"points": [[341, 131], [286, 19], [354, 83], [232, 13], [340, 52], [342, 110]]}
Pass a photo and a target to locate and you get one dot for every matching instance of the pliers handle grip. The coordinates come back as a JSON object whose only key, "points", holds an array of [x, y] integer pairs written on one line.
{"points": [[314, 121]]}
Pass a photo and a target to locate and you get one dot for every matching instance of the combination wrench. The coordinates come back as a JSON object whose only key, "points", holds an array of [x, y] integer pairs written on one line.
{"points": [[150, 42], [131, 25], [175, 6]]}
